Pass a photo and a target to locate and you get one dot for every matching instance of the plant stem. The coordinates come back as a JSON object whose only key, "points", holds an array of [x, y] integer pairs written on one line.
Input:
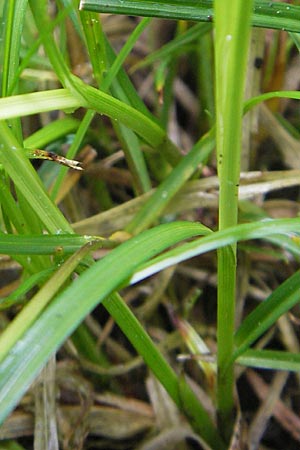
{"points": [[232, 29]]}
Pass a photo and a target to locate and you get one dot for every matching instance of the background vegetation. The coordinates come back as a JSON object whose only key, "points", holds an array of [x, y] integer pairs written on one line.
{"points": [[163, 233]]}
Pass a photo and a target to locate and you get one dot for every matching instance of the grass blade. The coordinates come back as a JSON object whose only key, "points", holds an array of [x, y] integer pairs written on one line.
{"points": [[218, 239], [65, 313], [179, 390], [266, 314], [15, 163], [46, 244], [265, 14], [152, 209], [270, 359]]}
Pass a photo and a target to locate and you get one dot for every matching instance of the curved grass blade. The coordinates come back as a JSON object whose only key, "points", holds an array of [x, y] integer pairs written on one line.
{"points": [[270, 359], [253, 101], [254, 230], [69, 308], [266, 314], [90, 98]]}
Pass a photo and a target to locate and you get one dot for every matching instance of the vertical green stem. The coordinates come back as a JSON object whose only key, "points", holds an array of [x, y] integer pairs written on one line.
{"points": [[232, 30]]}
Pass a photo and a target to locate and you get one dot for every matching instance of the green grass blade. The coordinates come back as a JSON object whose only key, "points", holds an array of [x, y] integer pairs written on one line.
{"points": [[146, 128], [176, 45], [128, 139], [218, 239], [23, 321], [19, 294], [13, 30], [8, 204], [181, 392], [91, 98], [152, 209], [68, 309], [266, 314], [205, 73], [37, 102], [17, 166], [13, 21], [270, 359], [43, 24], [124, 83], [51, 132], [265, 14], [135, 158], [253, 101], [124, 52], [46, 244], [131, 118], [72, 151], [30, 55], [72, 7], [174, 9], [94, 38]]}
